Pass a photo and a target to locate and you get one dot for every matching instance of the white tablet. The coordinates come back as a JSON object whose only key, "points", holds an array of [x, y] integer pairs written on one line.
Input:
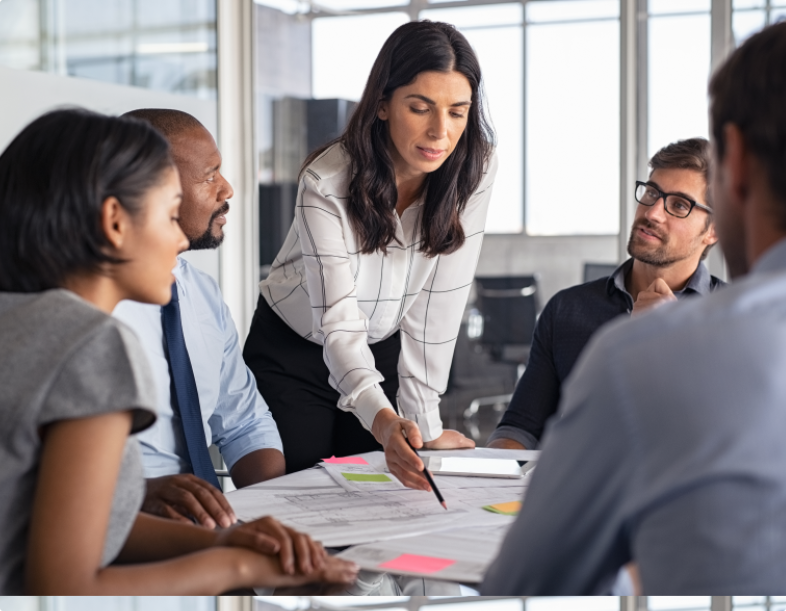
{"points": [[477, 467]]}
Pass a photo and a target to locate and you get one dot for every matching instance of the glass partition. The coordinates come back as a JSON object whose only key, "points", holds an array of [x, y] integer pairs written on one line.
{"points": [[572, 124], [679, 69], [496, 34], [169, 46]]}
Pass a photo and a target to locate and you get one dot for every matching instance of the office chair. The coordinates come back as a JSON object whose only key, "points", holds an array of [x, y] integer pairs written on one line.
{"points": [[508, 308]]}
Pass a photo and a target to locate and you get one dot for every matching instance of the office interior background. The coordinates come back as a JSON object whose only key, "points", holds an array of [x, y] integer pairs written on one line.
{"points": [[581, 93]]}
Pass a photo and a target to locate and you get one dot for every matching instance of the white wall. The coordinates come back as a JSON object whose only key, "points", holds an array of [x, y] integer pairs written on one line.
{"points": [[26, 95], [558, 260]]}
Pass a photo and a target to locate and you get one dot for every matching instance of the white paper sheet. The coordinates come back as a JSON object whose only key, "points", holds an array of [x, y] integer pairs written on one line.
{"points": [[471, 549], [337, 517], [343, 474]]}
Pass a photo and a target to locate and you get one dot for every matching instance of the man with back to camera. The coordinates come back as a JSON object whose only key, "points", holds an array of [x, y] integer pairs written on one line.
{"points": [[205, 391], [690, 478], [671, 234]]}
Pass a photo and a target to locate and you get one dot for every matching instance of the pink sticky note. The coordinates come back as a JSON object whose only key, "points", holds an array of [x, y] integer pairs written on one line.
{"points": [[417, 564], [345, 460]]}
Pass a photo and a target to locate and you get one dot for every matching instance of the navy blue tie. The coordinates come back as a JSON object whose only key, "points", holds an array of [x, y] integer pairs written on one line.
{"points": [[185, 398]]}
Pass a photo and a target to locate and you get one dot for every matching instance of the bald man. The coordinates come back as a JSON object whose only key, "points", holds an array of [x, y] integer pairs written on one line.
{"points": [[206, 394]]}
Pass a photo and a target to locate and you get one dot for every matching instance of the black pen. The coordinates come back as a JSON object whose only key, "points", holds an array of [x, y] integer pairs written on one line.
{"points": [[427, 474]]}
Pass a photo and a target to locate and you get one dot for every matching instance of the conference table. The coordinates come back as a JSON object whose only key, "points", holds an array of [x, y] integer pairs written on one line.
{"points": [[356, 508]]}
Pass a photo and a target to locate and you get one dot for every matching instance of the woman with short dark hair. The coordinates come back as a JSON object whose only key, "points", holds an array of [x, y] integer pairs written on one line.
{"points": [[88, 217], [359, 315]]}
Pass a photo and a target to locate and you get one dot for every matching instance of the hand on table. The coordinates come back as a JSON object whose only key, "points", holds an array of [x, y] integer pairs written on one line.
{"points": [[449, 440], [179, 496], [656, 294], [401, 460], [503, 443], [297, 552], [266, 572]]}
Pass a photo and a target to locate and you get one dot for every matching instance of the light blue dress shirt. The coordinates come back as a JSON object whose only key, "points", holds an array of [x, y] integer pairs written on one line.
{"points": [[670, 450], [234, 415]]}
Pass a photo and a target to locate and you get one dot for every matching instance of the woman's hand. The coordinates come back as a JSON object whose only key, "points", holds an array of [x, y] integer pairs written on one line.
{"points": [[449, 440], [390, 429], [266, 571], [268, 536]]}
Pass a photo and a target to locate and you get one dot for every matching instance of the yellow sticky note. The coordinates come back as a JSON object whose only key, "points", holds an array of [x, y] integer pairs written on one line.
{"points": [[510, 508]]}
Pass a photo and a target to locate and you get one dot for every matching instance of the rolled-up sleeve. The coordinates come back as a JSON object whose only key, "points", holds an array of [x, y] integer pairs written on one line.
{"points": [[430, 327], [241, 422]]}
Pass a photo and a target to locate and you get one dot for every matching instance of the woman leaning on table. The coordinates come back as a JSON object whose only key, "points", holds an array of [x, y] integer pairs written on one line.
{"points": [[358, 318], [88, 217]]}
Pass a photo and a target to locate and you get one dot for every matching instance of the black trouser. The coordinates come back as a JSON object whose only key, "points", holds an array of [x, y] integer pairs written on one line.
{"points": [[293, 378]]}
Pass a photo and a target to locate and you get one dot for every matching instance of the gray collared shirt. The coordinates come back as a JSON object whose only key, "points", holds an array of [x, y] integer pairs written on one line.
{"points": [[689, 477]]}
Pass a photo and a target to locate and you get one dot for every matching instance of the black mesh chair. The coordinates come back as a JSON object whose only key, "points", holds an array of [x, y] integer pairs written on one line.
{"points": [[508, 306]]}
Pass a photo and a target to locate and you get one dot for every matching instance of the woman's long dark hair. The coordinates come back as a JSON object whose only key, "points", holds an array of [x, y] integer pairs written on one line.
{"points": [[415, 47], [54, 178]]}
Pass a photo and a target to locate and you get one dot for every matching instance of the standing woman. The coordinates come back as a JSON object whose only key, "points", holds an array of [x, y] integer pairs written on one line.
{"points": [[88, 217], [359, 316]]}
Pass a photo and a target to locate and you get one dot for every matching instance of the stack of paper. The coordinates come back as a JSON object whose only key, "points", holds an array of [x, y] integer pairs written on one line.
{"points": [[455, 555], [355, 474]]}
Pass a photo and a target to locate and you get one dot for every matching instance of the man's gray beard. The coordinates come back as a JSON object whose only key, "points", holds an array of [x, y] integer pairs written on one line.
{"points": [[656, 259]]}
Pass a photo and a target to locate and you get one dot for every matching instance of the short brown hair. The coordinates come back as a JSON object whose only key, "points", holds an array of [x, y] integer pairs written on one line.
{"points": [[749, 91], [691, 154]]}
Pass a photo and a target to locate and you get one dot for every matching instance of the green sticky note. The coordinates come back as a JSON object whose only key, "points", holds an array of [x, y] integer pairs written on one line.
{"points": [[366, 477]]}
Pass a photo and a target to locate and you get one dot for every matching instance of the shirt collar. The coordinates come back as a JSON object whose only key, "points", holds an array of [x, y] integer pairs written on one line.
{"points": [[617, 278], [774, 259], [700, 282]]}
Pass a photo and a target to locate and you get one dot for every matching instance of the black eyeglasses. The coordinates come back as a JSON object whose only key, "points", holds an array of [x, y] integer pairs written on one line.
{"points": [[673, 203]]}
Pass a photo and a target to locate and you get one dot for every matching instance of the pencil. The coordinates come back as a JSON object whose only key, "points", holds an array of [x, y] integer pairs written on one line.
{"points": [[427, 474]]}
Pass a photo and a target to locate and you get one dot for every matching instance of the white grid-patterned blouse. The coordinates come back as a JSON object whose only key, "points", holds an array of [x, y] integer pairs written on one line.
{"points": [[331, 294]]}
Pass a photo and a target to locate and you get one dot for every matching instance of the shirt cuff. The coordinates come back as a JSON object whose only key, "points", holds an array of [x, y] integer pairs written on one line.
{"points": [[369, 403], [528, 440], [429, 423]]}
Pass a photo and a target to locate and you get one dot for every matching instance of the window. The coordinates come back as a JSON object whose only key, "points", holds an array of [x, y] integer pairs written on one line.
{"points": [[678, 603], [19, 603], [495, 33], [750, 16], [551, 72], [572, 109], [679, 69], [344, 49], [125, 603], [168, 46], [758, 603], [573, 603], [510, 604]]}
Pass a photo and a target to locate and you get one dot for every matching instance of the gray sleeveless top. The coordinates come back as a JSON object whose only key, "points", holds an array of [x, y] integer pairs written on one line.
{"points": [[61, 358]]}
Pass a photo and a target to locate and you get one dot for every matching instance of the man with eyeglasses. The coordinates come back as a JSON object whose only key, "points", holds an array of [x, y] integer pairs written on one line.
{"points": [[672, 232], [671, 446]]}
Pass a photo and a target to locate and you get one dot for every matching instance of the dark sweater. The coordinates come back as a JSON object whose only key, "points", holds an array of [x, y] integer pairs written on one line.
{"points": [[565, 326]]}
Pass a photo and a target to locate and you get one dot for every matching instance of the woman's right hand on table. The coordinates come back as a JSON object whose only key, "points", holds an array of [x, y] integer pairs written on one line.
{"points": [[390, 430]]}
